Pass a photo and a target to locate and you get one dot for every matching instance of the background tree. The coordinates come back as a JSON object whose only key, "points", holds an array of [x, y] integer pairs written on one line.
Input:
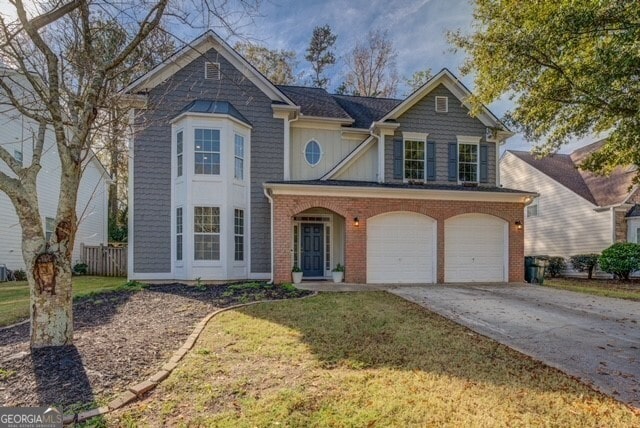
{"points": [[418, 79], [277, 65], [61, 73], [571, 68], [320, 55], [372, 67]]}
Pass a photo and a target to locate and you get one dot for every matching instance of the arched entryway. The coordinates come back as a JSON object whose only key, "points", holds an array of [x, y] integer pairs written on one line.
{"points": [[476, 248], [318, 242], [401, 248]]}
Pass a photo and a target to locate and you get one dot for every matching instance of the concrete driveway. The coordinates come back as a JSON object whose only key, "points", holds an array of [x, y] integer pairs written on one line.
{"points": [[596, 339]]}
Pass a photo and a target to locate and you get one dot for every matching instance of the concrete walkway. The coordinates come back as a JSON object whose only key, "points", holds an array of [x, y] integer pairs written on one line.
{"points": [[596, 339]]}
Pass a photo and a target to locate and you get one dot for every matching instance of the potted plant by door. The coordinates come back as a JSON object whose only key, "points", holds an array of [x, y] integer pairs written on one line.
{"points": [[296, 274], [338, 273]]}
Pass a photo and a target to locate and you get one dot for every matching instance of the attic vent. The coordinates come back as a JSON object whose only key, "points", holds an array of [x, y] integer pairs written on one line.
{"points": [[212, 70], [442, 104]]}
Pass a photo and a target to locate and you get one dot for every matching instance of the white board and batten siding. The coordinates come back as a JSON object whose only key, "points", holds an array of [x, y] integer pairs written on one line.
{"points": [[566, 223], [401, 248], [92, 195]]}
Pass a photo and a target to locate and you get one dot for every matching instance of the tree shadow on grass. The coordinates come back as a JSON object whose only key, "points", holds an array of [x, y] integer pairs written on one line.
{"points": [[378, 330], [60, 376]]}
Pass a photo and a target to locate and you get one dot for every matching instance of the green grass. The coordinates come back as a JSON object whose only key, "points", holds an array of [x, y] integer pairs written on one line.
{"points": [[362, 360], [597, 287], [14, 296]]}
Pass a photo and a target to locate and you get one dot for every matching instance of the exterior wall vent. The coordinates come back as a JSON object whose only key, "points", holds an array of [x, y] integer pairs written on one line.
{"points": [[212, 70], [442, 104]]}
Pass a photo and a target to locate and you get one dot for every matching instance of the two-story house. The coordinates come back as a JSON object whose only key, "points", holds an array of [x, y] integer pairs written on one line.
{"points": [[233, 177]]}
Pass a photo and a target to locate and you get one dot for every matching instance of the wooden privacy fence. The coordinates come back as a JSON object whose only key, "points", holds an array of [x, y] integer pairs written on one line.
{"points": [[104, 260]]}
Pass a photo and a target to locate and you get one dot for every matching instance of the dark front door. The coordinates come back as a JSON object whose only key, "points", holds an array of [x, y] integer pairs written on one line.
{"points": [[312, 249]]}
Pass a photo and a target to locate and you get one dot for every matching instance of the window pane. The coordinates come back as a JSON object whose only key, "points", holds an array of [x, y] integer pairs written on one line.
{"points": [[207, 247], [312, 152], [414, 160], [207, 151], [179, 247], [468, 162]]}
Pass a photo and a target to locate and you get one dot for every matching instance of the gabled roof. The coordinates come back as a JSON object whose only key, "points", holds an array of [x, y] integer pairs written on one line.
{"points": [[365, 110], [457, 88], [602, 191], [212, 106], [198, 48], [315, 102]]}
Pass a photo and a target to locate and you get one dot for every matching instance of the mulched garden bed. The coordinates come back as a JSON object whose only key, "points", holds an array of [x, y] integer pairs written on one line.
{"points": [[120, 338]]}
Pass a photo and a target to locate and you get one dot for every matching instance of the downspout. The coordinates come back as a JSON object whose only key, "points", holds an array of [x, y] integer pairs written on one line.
{"points": [[287, 145], [266, 193], [380, 152]]}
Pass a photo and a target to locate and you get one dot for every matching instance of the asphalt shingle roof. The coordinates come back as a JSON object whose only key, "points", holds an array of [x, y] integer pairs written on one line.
{"points": [[365, 110], [212, 106], [314, 102]]}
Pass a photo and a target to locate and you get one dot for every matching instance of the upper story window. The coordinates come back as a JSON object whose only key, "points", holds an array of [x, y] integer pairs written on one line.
{"points": [[414, 159], [313, 152], [238, 173], [207, 151], [468, 161], [179, 148], [532, 209]]}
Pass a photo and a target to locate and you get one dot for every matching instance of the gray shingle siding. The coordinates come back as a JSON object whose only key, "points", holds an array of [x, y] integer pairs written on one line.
{"points": [[443, 129], [152, 159]]}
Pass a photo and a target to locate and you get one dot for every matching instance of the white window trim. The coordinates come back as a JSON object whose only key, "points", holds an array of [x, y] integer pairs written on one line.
{"points": [[179, 262], [194, 151], [244, 139], [181, 130], [53, 220], [207, 262], [468, 140], [244, 244], [414, 136], [304, 153]]}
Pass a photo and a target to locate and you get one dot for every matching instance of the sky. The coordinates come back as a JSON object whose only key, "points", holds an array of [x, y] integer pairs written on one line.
{"points": [[417, 29]]}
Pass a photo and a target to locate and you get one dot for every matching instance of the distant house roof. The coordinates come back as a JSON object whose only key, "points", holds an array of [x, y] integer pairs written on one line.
{"points": [[600, 190], [211, 106]]}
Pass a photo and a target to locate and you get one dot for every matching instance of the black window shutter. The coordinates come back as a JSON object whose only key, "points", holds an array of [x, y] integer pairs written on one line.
{"points": [[398, 158], [431, 160], [484, 163], [453, 161]]}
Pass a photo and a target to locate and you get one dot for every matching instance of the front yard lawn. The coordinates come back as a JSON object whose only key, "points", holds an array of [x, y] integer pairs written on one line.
{"points": [[629, 290], [14, 296], [365, 360]]}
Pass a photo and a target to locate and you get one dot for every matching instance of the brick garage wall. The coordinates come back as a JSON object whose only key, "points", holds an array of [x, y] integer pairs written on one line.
{"points": [[287, 206]]}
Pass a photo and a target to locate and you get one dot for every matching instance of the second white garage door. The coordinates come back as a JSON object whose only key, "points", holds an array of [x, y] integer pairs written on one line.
{"points": [[476, 249], [401, 248]]}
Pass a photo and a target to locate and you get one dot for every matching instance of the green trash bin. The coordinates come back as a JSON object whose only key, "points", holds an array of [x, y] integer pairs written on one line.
{"points": [[534, 269]]}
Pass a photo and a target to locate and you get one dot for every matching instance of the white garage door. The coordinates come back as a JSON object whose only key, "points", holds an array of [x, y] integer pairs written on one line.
{"points": [[401, 248], [476, 247]]}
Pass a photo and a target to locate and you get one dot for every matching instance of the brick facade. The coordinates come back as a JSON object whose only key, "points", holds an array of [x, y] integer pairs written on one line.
{"points": [[287, 206]]}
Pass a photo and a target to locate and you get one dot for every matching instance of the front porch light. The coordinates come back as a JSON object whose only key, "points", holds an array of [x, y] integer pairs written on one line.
{"points": [[518, 225], [356, 222]]}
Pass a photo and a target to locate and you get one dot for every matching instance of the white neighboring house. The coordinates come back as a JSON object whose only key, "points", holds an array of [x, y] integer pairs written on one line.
{"points": [[16, 136], [577, 211]]}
